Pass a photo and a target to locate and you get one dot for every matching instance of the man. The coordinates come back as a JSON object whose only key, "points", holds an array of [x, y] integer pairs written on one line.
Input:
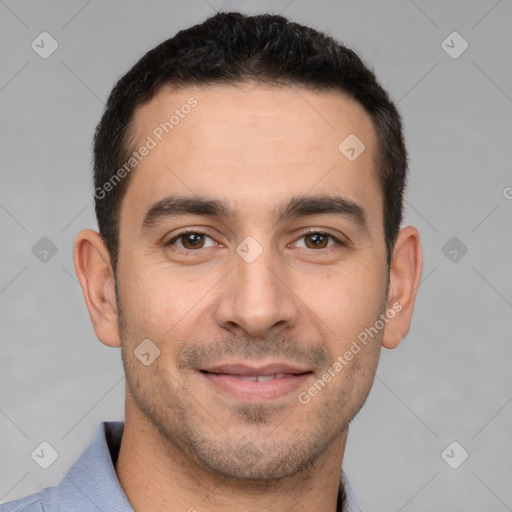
{"points": [[249, 175]]}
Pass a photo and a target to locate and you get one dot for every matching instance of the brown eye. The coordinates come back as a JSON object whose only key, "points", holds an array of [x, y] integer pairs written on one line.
{"points": [[322, 242], [317, 240], [190, 240]]}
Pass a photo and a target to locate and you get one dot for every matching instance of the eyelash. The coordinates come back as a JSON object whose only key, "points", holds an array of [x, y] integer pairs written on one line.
{"points": [[339, 244]]}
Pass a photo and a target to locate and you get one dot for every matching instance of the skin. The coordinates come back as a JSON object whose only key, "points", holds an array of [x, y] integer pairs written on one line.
{"points": [[187, 445]]}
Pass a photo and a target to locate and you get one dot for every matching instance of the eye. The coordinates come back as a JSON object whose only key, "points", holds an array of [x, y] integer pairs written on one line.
{"points": [[190, 240], [319, 240], [195, 240]]}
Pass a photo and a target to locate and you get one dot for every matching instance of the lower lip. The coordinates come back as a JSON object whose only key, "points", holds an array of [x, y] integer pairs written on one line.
{"points": [[254, 391]]}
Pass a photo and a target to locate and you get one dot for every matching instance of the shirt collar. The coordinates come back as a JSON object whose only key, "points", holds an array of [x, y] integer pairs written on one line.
{"points": [[92, 484], [351, 504]]}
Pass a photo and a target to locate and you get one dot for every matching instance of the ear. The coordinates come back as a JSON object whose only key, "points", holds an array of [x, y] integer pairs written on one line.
{"points": [[96, 276], [404, 280]]}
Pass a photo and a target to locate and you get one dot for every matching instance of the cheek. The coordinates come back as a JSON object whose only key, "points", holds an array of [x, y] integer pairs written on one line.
{"points": [[159, 302], [348, 301]]}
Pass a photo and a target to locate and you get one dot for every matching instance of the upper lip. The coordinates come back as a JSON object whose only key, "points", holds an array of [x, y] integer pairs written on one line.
{"points": [[253, 371]]}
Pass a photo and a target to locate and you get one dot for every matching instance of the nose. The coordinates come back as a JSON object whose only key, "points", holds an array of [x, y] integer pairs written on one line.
{"points": [[256, 298]]}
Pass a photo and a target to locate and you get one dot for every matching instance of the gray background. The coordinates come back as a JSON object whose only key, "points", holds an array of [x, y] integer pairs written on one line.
{"points": [[449, 380]]}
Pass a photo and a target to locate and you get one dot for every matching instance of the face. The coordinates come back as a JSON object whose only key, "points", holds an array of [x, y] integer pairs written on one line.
{"points": [[252, 256]]}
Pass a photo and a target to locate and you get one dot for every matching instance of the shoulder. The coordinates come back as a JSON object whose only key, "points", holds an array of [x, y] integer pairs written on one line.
{"points": [[30, 503]]}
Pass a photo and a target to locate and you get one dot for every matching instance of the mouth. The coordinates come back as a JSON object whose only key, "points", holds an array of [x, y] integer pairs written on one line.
{"points": [[256, 384]]}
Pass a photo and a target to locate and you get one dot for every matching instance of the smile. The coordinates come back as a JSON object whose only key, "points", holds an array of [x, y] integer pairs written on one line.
{"points": [[255, 385]]}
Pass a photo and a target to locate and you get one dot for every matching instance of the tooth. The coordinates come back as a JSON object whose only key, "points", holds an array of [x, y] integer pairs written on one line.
{"points": [[260, 378], [250, 377], [265, 378]]}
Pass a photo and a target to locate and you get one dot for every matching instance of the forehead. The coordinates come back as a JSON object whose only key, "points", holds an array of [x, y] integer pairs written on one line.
{"points": [[253, 145]]}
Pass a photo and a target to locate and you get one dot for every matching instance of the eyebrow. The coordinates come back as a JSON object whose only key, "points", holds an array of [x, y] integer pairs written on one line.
{"points": [[299, 206]]}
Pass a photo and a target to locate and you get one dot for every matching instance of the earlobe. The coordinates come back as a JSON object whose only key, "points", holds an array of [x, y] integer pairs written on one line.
{"points": [[96, 277], [404, 280]]}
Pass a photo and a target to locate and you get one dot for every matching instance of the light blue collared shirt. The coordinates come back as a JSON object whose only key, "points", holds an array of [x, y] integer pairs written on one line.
{"points": [[91, 483]]}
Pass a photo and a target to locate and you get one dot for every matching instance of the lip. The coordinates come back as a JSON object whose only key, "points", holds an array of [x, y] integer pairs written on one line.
{"points": [[249, 371], [234, 380]]}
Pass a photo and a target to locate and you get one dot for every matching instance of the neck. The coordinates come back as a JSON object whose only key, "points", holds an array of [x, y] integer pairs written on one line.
{"points": [[157, 475]]}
